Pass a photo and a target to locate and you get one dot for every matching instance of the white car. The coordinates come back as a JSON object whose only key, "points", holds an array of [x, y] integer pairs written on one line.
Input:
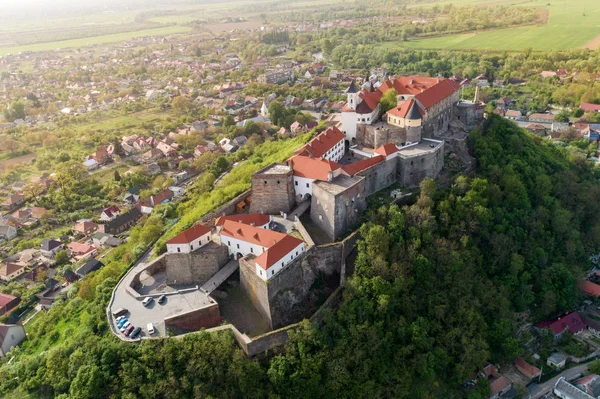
{"points": [[147, 301], [150, 328], [125, 326]]}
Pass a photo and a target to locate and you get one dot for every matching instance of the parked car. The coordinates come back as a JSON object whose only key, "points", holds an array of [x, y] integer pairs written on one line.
{"points": [[118, 319], [121, 323], [120, 312], [129, 330], [150, 328], [147, 301], [162, 299], [135, 332], [125, 326]]}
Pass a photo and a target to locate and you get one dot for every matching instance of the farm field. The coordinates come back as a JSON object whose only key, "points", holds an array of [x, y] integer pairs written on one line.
{"points": [[567, 28], [95, 40]]}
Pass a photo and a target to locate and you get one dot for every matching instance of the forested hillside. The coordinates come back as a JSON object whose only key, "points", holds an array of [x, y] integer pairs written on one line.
{"points": [[433, 298]]}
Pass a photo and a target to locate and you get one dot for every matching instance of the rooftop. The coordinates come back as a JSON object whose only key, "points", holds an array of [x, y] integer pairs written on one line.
{"points": [[275, 169], [421, 148], [339, 184]]}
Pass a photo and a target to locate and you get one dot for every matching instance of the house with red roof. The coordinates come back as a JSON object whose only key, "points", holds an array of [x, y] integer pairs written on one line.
{"points": [[568, 322], [589, 288], [80, 250], [328, 145], [110, 213], [588, 107], [306, 170], [7, 303], [190, 240], [271, 251], [527, 369], [259, 220]]}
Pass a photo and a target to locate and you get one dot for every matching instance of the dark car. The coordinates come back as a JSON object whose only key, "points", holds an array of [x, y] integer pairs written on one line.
{"points": [[162, 299], [135, 332], [129, 330]]}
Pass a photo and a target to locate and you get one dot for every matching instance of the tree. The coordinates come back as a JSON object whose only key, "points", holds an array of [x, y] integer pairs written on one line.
{"points": [[277, 113], [89, 383], [117, 176], [61, 257], [10, 145], [220, 166], [34, 190], [181, 105], [68, 175], [388, 100]]}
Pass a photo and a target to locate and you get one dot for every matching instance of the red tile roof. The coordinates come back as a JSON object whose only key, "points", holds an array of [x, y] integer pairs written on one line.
{"points": [[499, 384], [5, 299], [256, 219], [571, 321], [80, 248], [371, 99], [313, 168], [587, 107], [590, 288], [361, 165], [526, 368], [111, 211], [189, 235], [408, 84], [387, 149], [323, 142], [437, 93], [161, 197], [280, 244], [402, 110]]}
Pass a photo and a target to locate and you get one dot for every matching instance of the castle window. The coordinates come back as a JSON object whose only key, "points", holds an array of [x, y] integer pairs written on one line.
{"points": [[281, 266], [252, 250], [307, 185], [261, 272], [296, 253], [412, 162], [229, 243], [178, 249], [238, 246], [265, 182], [423, 160], [296, 184], [277, 181]]}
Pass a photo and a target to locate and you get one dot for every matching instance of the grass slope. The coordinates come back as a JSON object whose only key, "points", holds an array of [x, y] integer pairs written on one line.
{"points": [[567, 28]]}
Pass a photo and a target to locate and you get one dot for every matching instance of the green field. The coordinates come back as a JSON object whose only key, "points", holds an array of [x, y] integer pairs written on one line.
{"points": [[567, 28], [94, 40]]}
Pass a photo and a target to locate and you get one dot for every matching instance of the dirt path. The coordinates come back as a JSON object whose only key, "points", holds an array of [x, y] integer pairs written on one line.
{"points": [[593, 44], [17, 160]]}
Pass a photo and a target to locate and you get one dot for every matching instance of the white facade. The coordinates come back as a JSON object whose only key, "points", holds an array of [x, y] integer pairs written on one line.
{"points": [[335, 153], [177, 191], [237, 246], [303, 186], [15, 334], [186, 248], [351, 119], [266, 275]]}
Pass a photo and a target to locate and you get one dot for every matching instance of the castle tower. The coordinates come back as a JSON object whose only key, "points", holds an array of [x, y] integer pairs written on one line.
{"points": [[414, 123], [273, 190], [264, 111], [352, 93]]}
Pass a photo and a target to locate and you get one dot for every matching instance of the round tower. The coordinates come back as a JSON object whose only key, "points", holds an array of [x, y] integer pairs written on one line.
{"points": [[414, 123]]}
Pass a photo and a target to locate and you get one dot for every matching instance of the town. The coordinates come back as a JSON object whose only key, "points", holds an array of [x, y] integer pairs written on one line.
{"points": [[224, 181]]}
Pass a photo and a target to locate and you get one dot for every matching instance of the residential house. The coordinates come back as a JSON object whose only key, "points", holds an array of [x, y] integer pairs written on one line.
{"points": [[110, 213], [102, 240], [9, 271], [70, 276], [8, 303], [80, 251], [565, 390], [593, 325], [166, 149], [589, 288], [589, 384], [7, 233], [547, 74], [122, 222], [132, 196], [568, 322], [37, 212], [190, 240], [587, 107], [201, 150], [481, 81], [527, 369], [152, 155], [89, 266], [101, 155], [177, 191], [91, 164], [152, 169], [162, 197], [240, 140], [11, 335], [49, 247], [85, 227], [12, 202], [499, 384], [513, 114], [297, 128], [536, 129], [542, 118], [557, 360]]}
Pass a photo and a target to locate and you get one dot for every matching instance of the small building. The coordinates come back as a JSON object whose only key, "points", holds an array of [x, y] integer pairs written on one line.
{"points": [[80, 251], [589, 384], [565, 390], [568, 322], [527, 369], [8, 303], [12, 202], [102, 240], [11, 335], [9, 271], [122, 222], [587, 107], [189, 240], [177, 191], [50, 247], [89, 266], [7, 233], [91, 164], [589, 288], [85, 227], [557, 360], [110, 213]]}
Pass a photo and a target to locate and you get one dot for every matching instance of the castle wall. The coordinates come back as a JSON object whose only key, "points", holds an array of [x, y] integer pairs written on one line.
{"points": [[227, 209], [287, 297], [380, 176], [435, 122], [273, 190], [194, 320], [378, 134], [414, 169], [337, 213], [196, 267]]}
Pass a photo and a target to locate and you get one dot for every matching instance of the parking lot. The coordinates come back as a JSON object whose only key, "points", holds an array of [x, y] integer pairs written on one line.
{"points": [[139, 315]]}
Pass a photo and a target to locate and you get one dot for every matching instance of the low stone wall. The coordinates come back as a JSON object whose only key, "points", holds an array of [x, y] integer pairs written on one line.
{"points": [[205, 317], [227, 209], [196, 267], [305, 235]]}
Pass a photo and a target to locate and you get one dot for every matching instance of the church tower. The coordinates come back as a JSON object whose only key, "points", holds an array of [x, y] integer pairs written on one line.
{"points": [[353, 99], [264, 111]]}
